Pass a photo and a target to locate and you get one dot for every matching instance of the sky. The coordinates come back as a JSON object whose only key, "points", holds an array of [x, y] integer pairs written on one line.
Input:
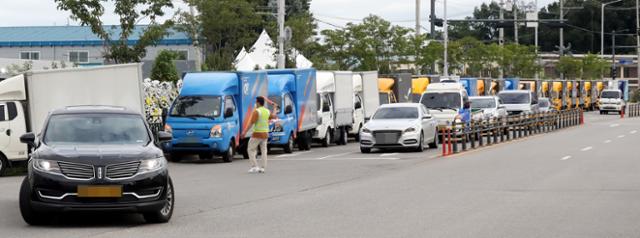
{"points": [[331, 12]]}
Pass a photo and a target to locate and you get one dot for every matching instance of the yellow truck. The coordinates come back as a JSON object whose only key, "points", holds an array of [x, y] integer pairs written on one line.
{"points": [[418, 87], [588, 95], [556, 95], [600, 85]]}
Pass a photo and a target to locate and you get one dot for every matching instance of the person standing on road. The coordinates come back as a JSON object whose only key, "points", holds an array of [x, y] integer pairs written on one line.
{"points": [[465, 114], [260, 121]]}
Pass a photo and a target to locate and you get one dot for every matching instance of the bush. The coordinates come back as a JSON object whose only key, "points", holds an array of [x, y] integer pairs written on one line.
{"points": [[163, 68]]}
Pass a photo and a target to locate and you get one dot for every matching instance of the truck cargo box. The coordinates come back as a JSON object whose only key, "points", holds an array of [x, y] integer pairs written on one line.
{"points": [[343, 98], [370, 95]]}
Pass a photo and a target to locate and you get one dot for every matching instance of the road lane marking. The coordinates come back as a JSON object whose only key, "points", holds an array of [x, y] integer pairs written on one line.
{"points": [[566, 157], [633, 132], [292, 155], [434, 156], [336, 155], [607, 141], [588, 148], [620, 136], [614, 125], [335, 159], [388, 154]]}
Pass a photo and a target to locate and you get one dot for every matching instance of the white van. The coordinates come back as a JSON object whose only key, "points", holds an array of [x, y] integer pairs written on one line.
{"points": [[611, 101], [519, 101], [444, 100]]}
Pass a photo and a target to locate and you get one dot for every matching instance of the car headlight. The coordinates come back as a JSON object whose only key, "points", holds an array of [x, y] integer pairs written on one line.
{"points": [[47, 166], [152, 165], [410, 129], [216, 131], [366, 130], [277, 128]]}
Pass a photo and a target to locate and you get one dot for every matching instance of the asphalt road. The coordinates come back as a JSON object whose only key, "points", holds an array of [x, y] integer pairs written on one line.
{"points": [[578, 182]]}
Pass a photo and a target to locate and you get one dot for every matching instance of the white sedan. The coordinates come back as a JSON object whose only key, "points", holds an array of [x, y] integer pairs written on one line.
{"points": [[399, 126], [490, 106]]}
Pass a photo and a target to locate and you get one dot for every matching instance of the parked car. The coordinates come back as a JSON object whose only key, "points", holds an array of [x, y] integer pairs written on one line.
{"points": [[490, 106], [96, 158], [544, 105], [519, 101], [399, 126]]}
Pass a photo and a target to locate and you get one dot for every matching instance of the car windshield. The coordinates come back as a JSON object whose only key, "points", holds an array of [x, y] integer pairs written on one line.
{"points": [[610, 94], [514, 98], [96, 129], [197, 106], [543, 103], [481, 103], [270, 105], [396, 113], [442, 100]]}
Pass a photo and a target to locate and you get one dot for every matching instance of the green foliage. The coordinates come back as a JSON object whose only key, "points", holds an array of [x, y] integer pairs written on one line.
{"points": [[89, 13], [593, 67], [570, 67], [518, 61], [164, 68], [635, 96]]}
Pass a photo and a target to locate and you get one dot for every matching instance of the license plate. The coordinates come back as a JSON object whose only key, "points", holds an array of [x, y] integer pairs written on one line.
{"points": [[100, 191]]}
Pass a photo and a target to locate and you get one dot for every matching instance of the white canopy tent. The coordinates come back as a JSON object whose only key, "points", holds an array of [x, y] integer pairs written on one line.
{"points": [[263, 55]]}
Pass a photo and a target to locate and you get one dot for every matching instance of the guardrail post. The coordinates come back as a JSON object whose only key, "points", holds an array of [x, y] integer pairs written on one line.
{"points": [[444, 140], [450, 151]]}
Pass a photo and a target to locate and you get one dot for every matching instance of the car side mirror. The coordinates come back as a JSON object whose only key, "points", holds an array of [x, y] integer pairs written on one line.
{"points": [[426, 117], [228, 112], [502, 107], [288, 109], [164, 136], [358, 105], [29, 139]]}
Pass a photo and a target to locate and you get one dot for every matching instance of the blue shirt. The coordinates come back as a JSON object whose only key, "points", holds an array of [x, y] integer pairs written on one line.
{"points": [[465, 115]]}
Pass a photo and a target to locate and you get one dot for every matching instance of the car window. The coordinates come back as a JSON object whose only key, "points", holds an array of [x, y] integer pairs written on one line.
{"points": [[358, 103], [2, 113], [229, 103], [326, 106], [288, 102], [396, 113]]}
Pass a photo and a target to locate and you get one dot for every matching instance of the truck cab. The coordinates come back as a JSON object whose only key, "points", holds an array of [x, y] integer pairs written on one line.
{"points": [[281, 103], [211, 114], [444, 100], [358, 106], [612, 100]]}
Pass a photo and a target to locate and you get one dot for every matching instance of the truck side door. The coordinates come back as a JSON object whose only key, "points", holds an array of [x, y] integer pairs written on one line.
{"points": [[358, 113], [5, 128], [233, 125]]}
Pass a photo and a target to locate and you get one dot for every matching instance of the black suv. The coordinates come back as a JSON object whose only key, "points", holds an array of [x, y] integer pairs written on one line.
{"points": [[96, 158]]}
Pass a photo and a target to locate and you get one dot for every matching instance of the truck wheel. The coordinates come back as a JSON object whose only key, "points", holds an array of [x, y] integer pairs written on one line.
{"points": [[29, 215], [288, 148], [307, 139], [434, 144], [4, 163], [357, 137], [228, 156], [327, 139], [164, 214], [345, 136]]}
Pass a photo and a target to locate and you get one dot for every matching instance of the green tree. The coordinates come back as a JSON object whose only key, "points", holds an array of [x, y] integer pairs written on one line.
{"points": [[223, 27], [593, 67], [164, 69], [130, 12], [518, 61], [570, 67], [430, 54]]}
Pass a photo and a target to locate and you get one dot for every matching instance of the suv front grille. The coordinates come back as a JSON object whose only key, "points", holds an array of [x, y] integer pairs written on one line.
{"points": [[76, 171], [387, 137], [124, 170]]}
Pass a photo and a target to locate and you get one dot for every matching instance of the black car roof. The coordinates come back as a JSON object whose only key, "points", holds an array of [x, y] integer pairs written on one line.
{"points": [[87, 109]]}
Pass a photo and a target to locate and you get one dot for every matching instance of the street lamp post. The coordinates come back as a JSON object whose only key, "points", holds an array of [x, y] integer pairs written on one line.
{"points": [[602, 25], [446, 41]]}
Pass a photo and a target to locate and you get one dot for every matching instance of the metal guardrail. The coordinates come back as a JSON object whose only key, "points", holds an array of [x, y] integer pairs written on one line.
{"points": [[633, 110], [461, 137]]}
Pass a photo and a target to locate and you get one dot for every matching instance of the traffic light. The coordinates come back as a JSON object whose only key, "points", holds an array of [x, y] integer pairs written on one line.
{"points": [[614, 72], [438, 22]]}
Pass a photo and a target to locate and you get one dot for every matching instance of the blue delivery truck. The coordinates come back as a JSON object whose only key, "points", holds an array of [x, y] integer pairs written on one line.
{"points": [[292, 96], [471, 85], [211, 114]]}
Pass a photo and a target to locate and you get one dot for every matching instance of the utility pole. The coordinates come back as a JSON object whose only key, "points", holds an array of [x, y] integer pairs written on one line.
{"points": [[281, 36], [196, 44], [501, 38], [433, 18], [561, 46], [515, 21], [638, 39], [417, 17], [613, 55], [446, 41], [537, 76]]}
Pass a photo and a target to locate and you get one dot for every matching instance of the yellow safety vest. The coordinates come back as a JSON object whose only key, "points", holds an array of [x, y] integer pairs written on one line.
{"points": [[262, 124]]}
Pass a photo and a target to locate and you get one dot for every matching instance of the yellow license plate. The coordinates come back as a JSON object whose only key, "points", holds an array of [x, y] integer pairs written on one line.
{"points": [[100, 191]]}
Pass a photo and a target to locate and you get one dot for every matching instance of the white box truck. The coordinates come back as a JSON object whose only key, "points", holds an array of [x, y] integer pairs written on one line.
{"points": [[335, 111], [366, 100], [27, 99]]}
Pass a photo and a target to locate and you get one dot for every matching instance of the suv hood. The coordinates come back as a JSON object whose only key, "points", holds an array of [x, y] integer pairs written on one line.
{"points": [[97, 154], [517, 107]]}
